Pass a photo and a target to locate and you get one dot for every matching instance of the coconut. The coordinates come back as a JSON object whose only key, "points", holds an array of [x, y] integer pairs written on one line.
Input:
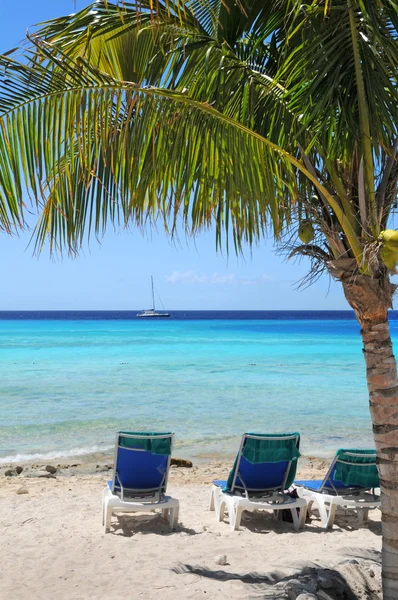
{"points": [[390, 238], [389, 257], [306, 231]]}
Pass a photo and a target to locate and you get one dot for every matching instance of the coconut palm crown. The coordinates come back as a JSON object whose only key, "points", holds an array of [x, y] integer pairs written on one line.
{"points": [[257, 117]]}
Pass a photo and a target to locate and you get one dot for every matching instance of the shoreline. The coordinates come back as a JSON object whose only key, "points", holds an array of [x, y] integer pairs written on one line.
{"points": [[103, 457], [45, 458], [201, 471]]}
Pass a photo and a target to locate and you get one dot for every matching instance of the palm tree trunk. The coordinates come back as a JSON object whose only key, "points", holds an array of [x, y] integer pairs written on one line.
{"points": [[371, 298]]}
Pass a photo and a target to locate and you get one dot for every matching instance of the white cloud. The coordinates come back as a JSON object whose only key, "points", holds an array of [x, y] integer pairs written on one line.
{"points": [[190, 277], [185, 277]]}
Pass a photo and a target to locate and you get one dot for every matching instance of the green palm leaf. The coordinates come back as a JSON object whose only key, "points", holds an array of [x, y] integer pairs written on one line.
{"points": [[224, 74], [152, 152]]}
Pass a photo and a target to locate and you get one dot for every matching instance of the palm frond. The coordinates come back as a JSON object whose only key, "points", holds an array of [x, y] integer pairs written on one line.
{"points": [[318, 69], [261, 98], [106, 149]]}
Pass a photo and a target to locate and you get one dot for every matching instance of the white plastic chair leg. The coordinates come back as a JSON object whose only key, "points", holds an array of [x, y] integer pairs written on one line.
{"points": [[176, 516], [295, 519], [166, 514], [217, 498], [171, 512], [173, 516], [298, 516], [363, 515], [104, 504], [220, 509], [108, 517], [323, 513], [211, 503], [302, 516], [235, 516], [331, 515]]}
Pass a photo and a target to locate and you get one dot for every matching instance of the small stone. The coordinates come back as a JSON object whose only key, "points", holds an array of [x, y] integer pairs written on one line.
{"points": [[371, 573], [9, 473], [324, 582], [294, 587], [181, 462], [205, 528], [51, 469], [311, 587], [18, 470], [322, 595], [22, 490], [221, 559]]}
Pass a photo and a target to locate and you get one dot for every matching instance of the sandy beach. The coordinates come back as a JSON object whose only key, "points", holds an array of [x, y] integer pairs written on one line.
{"points": [[53, 544]]}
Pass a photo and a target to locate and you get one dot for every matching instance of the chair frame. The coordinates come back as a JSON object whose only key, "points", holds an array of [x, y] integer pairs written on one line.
{"points": [[272, 499], [140, 500], [326, 502]]}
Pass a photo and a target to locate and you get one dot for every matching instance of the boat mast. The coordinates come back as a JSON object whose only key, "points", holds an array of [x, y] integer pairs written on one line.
{"points": [[153, 294]]}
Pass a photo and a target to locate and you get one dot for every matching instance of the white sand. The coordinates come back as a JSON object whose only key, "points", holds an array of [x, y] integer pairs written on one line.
{"points": [[53, 546]]}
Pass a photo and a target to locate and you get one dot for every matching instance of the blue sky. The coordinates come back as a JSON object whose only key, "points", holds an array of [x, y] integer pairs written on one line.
{"points": [[116, 273]]}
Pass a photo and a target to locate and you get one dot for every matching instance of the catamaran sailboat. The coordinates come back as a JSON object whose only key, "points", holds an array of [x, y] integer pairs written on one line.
{"points": [[151, 312]]}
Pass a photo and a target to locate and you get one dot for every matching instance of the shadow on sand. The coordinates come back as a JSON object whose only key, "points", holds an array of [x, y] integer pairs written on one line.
{"points": [[310, 578], [129, 526]]}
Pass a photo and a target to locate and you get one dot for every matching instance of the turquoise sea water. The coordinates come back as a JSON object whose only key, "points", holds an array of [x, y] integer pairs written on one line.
{"points": [[68, 385]]}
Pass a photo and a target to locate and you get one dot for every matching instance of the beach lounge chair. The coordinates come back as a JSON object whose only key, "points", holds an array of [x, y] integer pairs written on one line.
{"points": [[350, 483], [139, 478], [264, 469]]}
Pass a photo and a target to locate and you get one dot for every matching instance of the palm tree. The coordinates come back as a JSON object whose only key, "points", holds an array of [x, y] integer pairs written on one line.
{"points": [[256, 117]]}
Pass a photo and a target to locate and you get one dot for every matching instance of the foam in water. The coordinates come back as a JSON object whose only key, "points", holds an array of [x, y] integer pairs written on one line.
{"points": [[44, 456]]}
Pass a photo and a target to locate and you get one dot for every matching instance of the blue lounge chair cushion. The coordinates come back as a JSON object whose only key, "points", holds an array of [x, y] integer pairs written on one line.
{"points": [[312, 484], [220, 482], [142, 462], [257, 477], [140, 470]]}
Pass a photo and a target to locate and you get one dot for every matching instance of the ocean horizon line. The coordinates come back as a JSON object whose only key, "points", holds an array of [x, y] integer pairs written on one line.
{"points": [[182, 314], [296, 310], [177, 314]]}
